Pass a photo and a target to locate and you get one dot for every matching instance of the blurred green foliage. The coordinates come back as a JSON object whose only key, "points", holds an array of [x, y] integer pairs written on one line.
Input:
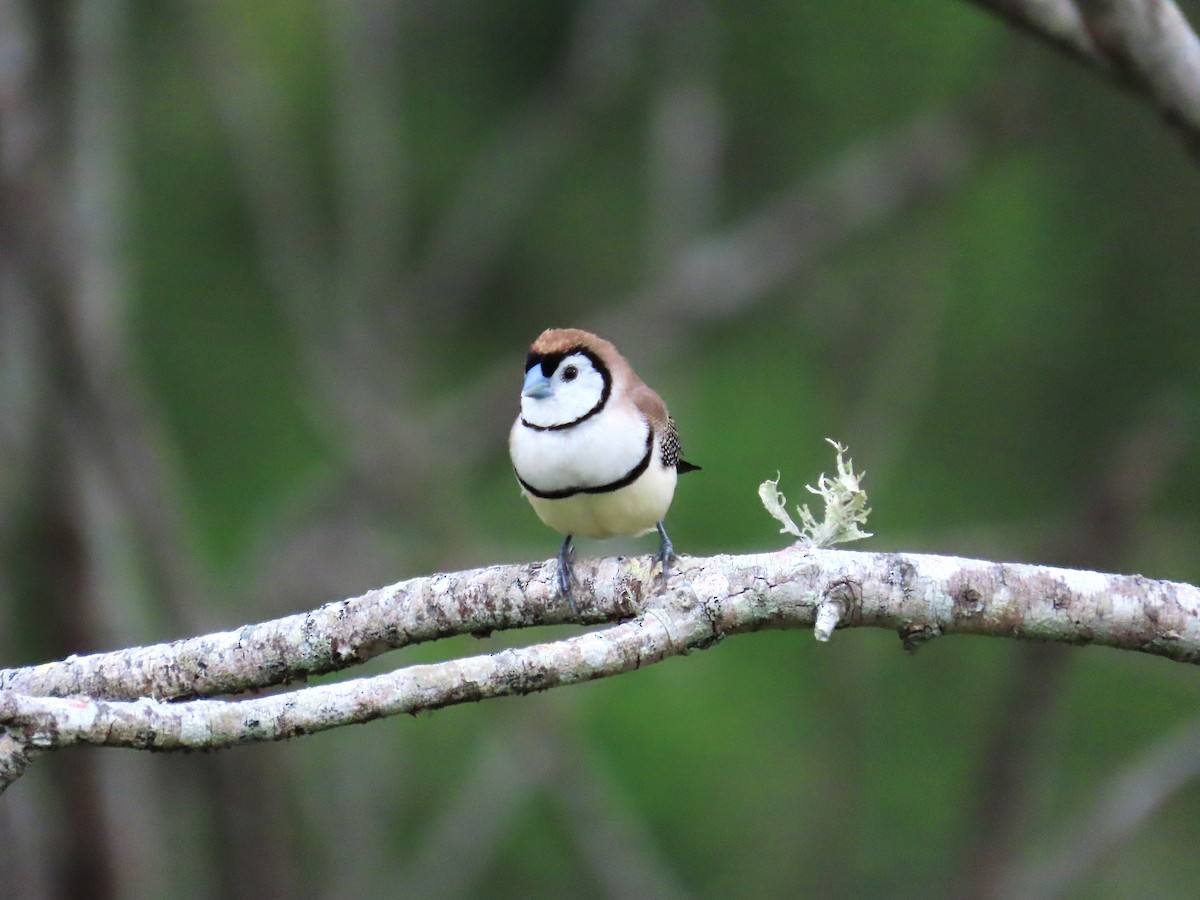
{"points": [[1011, 357]]}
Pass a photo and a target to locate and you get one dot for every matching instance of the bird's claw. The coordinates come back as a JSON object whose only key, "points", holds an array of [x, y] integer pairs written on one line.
{"points": [[666, 555], [566, 574]]}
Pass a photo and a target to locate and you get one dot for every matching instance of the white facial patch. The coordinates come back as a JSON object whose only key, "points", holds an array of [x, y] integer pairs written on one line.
{"points": [[576, 387]]}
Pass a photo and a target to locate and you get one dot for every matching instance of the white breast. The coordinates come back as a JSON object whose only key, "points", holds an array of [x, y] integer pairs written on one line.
{"points": [[599, 451]]}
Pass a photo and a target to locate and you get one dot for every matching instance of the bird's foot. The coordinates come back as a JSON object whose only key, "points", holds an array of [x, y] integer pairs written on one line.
{"points": [[666, 555], [566, 573]]}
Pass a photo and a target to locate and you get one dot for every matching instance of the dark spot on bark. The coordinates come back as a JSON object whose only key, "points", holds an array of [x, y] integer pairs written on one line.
{"points": [[913, 635], [1042, 588], [902, 575], [469, 692], [967, 601], [848, 595], [1161, 606], [370, 716], [534, 679], [143, 739]]}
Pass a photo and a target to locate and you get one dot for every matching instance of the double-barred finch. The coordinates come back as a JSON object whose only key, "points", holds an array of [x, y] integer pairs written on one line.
{"points": [[594, 448]]}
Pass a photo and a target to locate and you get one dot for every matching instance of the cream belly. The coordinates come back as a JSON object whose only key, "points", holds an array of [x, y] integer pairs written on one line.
{"points": [[631, 510]]}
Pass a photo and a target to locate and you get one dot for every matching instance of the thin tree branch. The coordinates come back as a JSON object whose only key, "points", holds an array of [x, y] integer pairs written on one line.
{"points": [[16, 753], [1057, 21], [919, 596], [1119, 808], [1121, 490], [686, 132], [1148, 46], [472, 822], [329, 638], [718, 275], [611, 833], [476, 222]]}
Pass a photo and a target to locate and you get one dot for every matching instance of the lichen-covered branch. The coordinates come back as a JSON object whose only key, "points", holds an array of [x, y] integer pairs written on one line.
{"points": [[1147, 45], [919, 596], [330, 638], [15, 755]]}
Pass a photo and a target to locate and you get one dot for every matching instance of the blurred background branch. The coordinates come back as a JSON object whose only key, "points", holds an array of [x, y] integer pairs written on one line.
{"points": [[1148, 46], [1120, 807]]}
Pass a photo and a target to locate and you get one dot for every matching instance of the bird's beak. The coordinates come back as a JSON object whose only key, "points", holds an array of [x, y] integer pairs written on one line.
{"points": [[536, 385]]}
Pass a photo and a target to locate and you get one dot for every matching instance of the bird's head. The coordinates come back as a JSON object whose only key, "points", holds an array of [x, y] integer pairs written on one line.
{"points": [[567, 379]]}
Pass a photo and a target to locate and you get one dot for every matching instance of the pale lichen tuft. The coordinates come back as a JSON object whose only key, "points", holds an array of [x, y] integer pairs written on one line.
{"points": [[845, 506]]}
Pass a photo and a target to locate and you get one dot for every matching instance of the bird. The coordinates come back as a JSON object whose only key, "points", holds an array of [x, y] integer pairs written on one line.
{"points": [[594, 449]]}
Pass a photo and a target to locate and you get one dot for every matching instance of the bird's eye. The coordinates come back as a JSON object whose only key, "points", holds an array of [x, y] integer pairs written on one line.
{"points": [[569, 373]]}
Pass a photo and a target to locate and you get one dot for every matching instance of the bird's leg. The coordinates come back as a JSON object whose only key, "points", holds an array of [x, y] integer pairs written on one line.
{"points": [[666, 554], [566, 573]]}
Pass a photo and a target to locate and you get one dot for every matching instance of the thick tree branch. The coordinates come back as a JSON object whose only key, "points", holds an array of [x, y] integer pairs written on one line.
{"points": [[919, 596], [1146, 45]]}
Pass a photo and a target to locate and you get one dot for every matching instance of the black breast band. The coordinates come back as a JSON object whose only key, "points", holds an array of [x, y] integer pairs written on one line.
{"points": [[624, 481]]}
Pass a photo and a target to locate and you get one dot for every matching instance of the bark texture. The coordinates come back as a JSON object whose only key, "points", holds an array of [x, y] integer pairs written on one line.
{"points": [[140, 697]]}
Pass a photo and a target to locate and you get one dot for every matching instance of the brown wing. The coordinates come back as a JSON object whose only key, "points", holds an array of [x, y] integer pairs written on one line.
{"points": [[652, 407]]}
